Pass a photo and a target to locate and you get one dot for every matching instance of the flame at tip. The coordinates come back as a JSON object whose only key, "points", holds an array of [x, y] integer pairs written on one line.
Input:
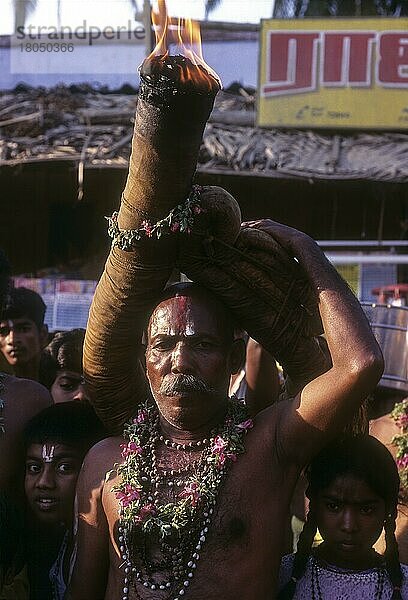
{"points": [[185, 36]]}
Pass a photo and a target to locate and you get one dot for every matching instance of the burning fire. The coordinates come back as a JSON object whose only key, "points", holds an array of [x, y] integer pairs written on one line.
{"points": [[185, 36]]}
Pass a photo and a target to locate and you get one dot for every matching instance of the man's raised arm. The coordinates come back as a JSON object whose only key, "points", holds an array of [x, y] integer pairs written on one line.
{"points": [[156, 205], [328, 402], [112, 348]]}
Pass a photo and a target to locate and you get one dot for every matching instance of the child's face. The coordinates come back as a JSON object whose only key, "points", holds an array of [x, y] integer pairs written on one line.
{"points": [[350, 517], [68, 385], [51, 473]]}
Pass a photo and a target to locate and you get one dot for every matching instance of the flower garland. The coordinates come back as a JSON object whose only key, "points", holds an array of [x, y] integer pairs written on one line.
{"points": [[180, 525], [400, 416], [180, 219]]}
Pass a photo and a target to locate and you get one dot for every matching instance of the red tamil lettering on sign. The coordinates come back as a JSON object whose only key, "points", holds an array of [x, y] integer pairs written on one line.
{"points": [[291, 62], [392, 68], [346, 59]]}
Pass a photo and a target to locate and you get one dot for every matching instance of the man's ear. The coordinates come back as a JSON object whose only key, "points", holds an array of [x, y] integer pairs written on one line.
{"points": [[237, 355], [44, 336]]}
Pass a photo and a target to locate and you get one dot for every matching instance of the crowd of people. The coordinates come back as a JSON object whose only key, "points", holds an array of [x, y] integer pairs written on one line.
{"points": [[173, 468]]}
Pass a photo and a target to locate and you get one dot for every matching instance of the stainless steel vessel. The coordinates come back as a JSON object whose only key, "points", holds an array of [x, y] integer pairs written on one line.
{"points": [[390, 327]]}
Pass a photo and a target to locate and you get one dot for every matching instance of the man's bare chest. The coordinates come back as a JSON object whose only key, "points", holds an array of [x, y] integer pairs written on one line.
{"points": [[240, 531], [176, 513], [247, 501]]}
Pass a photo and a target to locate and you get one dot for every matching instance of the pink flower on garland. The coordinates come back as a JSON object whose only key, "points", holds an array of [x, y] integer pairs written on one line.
{"points": [[218, 445], [141, 417], [192, 492], [219, 450], [222, 457], [130, 448], [245, 425], [127, 495], [175, 227], [402, 420], [148, 228], [197, 210], [146, 511], [402, 462]]}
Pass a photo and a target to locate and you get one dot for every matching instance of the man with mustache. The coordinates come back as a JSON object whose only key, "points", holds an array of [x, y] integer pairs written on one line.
{"points": [[198, 498]]}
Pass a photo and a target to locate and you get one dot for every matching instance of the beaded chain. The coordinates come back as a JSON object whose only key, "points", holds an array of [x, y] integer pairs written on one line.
{"points": [[317, 591], [180, 527]]}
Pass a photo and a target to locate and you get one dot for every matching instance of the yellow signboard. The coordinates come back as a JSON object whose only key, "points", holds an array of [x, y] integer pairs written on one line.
{"points": [[335, 73]]}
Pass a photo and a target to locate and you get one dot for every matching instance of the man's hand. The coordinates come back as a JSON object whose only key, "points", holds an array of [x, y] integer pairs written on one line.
{"points": [[296, 243], [328, 402], [317, 268], [289, 238]]}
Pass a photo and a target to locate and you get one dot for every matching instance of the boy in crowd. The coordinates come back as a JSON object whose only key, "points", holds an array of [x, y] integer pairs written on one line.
{"points": [[57, 440], [23, 334], [61, 366]]}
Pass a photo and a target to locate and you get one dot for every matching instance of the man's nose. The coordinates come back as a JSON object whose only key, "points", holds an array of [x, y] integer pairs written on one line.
{"points": [[81, 393], [349, 522], [10, 337], [181, 358], [46, 480]]}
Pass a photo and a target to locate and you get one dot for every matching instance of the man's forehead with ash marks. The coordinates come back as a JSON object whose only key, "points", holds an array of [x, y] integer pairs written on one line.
{"points": [[173, 317]]}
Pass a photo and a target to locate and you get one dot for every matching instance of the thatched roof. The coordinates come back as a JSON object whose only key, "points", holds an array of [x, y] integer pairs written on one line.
{"points": [[94, 129]]}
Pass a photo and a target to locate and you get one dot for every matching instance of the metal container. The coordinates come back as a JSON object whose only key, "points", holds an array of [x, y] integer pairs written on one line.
{"points": [[390, 327]]}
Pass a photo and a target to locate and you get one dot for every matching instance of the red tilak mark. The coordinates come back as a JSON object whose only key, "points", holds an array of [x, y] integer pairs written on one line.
{"points": [[182, 307]]}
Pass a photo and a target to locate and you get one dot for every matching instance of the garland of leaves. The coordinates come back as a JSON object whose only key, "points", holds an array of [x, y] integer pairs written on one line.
{"points": [[134, 492], [180, 526], [179, 220], [400, 441]]}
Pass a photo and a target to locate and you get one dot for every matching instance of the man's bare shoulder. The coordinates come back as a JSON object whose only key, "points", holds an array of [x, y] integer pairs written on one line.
{"points": [[384, 428], [95, 473], [270, 416], [266, 423], [272, 422], [101, 458], [24, 397], [26, 390]]}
